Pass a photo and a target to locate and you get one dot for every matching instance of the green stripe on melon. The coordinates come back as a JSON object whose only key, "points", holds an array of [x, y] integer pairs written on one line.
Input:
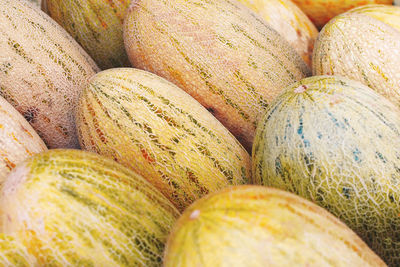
{"points": [[334, 141]]}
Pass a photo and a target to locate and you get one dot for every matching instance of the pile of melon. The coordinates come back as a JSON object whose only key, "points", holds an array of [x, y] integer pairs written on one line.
{"points": [[199, 133]]}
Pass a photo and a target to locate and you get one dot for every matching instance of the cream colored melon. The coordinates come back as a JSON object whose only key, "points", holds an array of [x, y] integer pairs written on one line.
{"points": [[388, 14], [259, 226], [290, 22], [42, 71]]}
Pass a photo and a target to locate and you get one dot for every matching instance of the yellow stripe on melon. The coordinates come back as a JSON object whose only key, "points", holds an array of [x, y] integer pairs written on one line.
{"points": [[258, 226], [152, 126], [75, 208], [13, 253]]}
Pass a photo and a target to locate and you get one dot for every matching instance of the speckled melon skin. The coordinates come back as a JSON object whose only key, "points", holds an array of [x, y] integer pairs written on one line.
{"points": [[38, 3], [152, 126], [18, 140], [385, 13], [290, 22], [96, 25], [13, 253], [334, 141], [321, 11], [220, 52], [42, 71], [258, 226], [76, 208], [360, 48]]}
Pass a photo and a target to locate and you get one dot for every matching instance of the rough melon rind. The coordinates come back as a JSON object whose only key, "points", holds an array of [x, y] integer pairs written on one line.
{"points": [[259, 226], [42, 70], [13, 253], [152, 126], [332, 140], [220, 52]]}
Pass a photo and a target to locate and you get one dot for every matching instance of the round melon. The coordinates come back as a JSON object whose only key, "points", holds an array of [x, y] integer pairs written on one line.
{"points": [[333, 141], [96, 25], [360, 48], [260, 226], [321, 11], [153, 127], [388, 14], [290, 22], [18, 140], [13, 253], [76, 208], [220, 52], [42, 71]]}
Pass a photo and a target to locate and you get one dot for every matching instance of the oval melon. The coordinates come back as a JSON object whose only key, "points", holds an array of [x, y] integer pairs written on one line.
{"points": [[321, 11], [155, 128], [75, 208], [334, 141], [42, 71], [388, 14], [290, 22], [220, 52], [360, 48], [259, 226], [96, 25], [18, 140]]}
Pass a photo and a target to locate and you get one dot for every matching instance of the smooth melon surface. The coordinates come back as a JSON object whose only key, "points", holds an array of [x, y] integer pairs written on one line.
{"points": [[75, 208], [334, 141], [220, 52], [153, 127], [259, 226], [42, 71]]}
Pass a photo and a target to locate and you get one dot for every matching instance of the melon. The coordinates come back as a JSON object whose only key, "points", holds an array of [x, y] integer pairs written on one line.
{"points": [[220, 52], [260, 226], [321, 11], [155, 128], [388, 14], [290, 22], [37, 3], [334, 141], [96, 25], [13, 253], [360, 48], [42, 71], [76, 208], [18, 140]]}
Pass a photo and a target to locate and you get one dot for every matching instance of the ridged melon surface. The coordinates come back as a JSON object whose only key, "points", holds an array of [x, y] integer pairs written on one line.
{"points": [[334, 141], [388, 14], [258, 226], [13, 253], [360, 48], [220, 52], [290, 22], [96, 25], [153, 127], [18, 140], [321, 11], [42, 71], [75, 208]]}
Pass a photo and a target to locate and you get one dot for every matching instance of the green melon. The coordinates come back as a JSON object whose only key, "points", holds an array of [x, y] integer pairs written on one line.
{"points": [[75, 208], [254, 226], [153, 127], [334, 141]]}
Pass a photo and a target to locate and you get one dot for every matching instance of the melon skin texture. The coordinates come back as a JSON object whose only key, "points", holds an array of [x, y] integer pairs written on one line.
{"points": [[260, 226], [42, 71], [96, 25], [360, 48], [13, 253], [333, 141], [290, 22], [321, 11], [220, 52], [76, 208], [18, 140], [153, 127]]}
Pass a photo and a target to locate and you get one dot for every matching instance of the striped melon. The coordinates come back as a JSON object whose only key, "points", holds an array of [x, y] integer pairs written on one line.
{"points": [[259, 226], [334, 141], [287, 19], [42, 70], [18, 140], [220, 52], [360, 48], [75, 208], [321, 11], [155, 128], [13, 253], [96, 25], [388, 14]]}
